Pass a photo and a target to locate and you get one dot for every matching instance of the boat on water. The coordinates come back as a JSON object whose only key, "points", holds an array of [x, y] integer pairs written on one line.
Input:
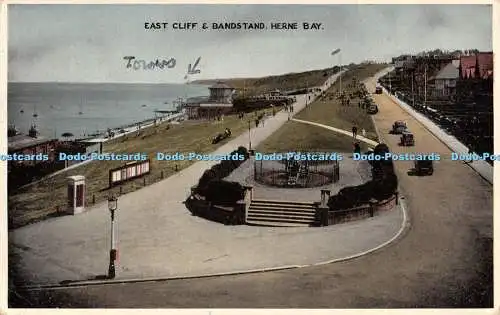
{"points": [[143, 105], [34, 111], [81, 110], [12, 131], [22, 111]]}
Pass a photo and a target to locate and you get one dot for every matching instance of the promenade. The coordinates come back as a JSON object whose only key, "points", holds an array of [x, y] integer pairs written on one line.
{"points": [[158, 238], [444, 259]]}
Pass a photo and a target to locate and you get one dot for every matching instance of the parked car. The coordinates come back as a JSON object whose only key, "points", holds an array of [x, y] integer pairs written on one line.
{"points": [[424, 167], [407, 139], [373, 109], [399, 127], [378, 90]]}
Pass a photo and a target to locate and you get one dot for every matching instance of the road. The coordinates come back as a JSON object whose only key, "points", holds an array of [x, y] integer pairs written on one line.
{"points": [[443, 260]]}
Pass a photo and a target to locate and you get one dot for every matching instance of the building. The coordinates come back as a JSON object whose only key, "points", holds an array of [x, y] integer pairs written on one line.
{"points": [[32, 145], [445, 82], [75, 147], [219, 102], [478, 66]]}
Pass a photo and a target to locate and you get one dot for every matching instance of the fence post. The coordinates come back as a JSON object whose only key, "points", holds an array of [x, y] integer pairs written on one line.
{"points": [[93, 199], [161, 174], [121, 190], [144, 181], [323, 196], [372, 207]]}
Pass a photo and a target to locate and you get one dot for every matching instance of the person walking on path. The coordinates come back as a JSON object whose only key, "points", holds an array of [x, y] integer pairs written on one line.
{"points": [[469, 155], [354, 132]]}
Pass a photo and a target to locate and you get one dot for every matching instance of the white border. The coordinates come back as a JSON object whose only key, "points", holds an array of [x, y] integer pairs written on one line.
{"points": [[3, 144]]}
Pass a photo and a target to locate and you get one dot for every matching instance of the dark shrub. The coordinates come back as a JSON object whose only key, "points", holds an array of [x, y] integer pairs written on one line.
{"points": [[381, 149], [243, 151], [219, 171], [339, 202], [227, 167], [385, 187], [232, 164], [207, 176], [224, 192]]}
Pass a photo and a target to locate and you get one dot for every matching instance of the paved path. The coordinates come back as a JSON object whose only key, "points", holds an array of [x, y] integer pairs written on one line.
{"points": [[337, 130], [159, 238]]}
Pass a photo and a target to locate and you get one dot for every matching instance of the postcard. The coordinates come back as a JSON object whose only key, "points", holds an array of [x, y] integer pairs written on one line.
{"points": [[250, 156]]}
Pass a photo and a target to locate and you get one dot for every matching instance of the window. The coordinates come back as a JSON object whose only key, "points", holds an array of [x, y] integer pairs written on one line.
{"points": [[80, 195], [71, 195]]}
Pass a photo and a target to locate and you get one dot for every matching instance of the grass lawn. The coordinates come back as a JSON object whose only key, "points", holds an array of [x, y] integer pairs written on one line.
{"points": [[332, 113], [296, 136], [43, 199]]}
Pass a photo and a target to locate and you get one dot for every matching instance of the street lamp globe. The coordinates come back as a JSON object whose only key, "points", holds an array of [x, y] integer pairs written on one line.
{"points": [[112, 203]]}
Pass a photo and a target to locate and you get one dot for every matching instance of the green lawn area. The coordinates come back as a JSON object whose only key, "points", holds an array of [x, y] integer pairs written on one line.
{"points": [[332, 113], [296, 136], [43, 199]]}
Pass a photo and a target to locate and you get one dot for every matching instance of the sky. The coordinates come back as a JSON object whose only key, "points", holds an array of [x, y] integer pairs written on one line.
{"points": [[87, 43]]}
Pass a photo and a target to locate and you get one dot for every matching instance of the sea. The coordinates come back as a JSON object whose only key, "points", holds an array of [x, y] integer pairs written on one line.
{"points": [[83, 109]]}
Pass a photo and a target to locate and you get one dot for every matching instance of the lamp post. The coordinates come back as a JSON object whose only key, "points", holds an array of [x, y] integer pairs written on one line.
{"points": [[335, 52], [249, 136], [113, 253]]}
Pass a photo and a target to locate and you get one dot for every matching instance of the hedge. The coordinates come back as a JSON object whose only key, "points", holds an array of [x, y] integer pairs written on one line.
{"points": [[213, 177], [224, 192], [383, 185]]}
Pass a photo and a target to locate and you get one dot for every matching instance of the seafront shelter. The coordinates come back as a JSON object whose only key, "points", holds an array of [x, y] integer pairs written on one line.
{"points": [[218, 103]]}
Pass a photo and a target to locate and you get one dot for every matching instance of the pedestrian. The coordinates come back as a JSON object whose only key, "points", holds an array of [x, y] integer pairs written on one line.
{"points": [[354, 132], [256, 123], [363, 132], [470, 155], [357, 148]]}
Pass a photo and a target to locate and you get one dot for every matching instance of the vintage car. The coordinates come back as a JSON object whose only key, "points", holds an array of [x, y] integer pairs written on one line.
{"points": [[378, 90], [373, 109], [423, 167], [399, 127], [407, 139]]}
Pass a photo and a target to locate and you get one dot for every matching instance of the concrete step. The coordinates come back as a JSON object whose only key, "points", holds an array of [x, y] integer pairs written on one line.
{"points": [[272, 208], [281, 213], [308, 214], [281, 216], [278, 224], [270, 221], [299, 204]]}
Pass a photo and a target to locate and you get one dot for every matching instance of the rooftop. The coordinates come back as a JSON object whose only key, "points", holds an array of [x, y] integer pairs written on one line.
{"points": [[196, 100], [450, 71], [19, 142]]}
